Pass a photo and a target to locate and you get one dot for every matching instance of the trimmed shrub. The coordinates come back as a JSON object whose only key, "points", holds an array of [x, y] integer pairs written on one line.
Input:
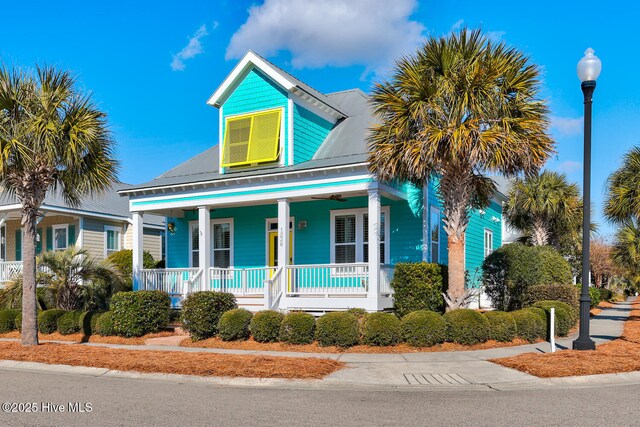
{"points": [[138, 313], [465, 326], [69, 323], [234, 324], [594, 295], [423, 328], [104, 324], [88, 322], [512, 269], [201, 312], [8, 320], [265, 326], [565, 293], [381, 329], [418, 286], [123, 260], [566, 317], [338, 328], [48, 320], [529, 324], [18, 321], [605, 294], [502, 326], [298, 328]]}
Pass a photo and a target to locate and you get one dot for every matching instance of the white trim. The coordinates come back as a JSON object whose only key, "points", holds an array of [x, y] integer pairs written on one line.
{"points": [[313, 108], [120, 236], [214, 222], [290, 108], [292, 228], [487, 232], [64, 227], [80, 239], [359, 214], [437, 210], [220, 138]]}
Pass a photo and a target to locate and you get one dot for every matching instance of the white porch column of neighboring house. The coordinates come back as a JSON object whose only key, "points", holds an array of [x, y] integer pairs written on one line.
{"points": [[283, 235], [204, 241], [137, 249], [374, 246]]}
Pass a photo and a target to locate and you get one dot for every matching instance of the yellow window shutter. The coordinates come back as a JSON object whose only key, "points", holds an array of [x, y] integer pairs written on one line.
{"points": [[252, 138]]}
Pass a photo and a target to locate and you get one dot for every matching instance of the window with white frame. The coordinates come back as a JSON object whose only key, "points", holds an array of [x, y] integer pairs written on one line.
{"points": [[222, 244], [350, 236], [434, 225], [60, 237], [112, 237], [488, 242]]}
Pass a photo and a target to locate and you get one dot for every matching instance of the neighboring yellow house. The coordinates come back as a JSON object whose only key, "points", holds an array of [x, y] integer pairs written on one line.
{"points": [[101, 225]]}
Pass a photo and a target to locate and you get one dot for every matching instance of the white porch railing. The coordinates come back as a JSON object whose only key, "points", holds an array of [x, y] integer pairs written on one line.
{"points": [[174, 281], [239, 281], [9, 269], [272, 290], [327, 279]]}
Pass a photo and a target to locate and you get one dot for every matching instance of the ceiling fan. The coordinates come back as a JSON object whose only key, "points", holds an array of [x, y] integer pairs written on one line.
{"points": [[334, 197]]}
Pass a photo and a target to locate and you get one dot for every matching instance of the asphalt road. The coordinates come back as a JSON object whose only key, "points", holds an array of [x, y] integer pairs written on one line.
{"points": [[135, 402]]}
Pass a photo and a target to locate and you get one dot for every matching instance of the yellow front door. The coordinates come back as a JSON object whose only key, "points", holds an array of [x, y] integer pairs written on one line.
{"points": [[273, 248]]}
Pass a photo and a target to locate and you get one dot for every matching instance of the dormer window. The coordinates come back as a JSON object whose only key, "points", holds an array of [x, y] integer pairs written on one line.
{"points": [[252, 138]]}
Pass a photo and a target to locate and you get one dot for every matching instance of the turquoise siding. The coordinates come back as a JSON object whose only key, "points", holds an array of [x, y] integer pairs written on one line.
{"points": [[257, 92], [474, 245], [309, 132]]}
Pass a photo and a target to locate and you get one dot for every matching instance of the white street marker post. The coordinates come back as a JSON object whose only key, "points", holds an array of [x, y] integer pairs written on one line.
{"points": [[552, 329]]}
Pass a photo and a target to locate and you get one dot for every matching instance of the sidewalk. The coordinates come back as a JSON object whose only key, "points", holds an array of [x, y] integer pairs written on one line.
{"points": [[466, 369]]}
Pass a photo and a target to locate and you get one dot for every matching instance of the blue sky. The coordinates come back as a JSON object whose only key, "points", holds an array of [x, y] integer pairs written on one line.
{"points": [[152, 65]]}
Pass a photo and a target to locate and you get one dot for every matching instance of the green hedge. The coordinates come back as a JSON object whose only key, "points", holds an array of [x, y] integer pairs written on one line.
{"points": [[381, 329], [423, 328], [201, 312], [465, 326], [8, 320], [265, 326], [48, 320], [69, 323], [104, 324], [339, 328], [510, 270], [605, 294], [529, 324], [234, 324], [568, 294], [298, 328], [18, 321], [88, 322], [502, 326], [139, 313], [418, 286], [566, 316], [594, 295]]}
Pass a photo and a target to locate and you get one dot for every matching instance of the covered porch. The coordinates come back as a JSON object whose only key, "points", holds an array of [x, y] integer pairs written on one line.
{"points": [[318, 249]]}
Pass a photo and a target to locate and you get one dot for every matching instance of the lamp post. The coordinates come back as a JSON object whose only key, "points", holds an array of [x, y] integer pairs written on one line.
{"points": [[588, 71]]}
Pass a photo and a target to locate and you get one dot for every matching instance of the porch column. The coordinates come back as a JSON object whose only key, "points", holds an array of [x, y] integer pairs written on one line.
{"points": [[204, 240], [283, 233], [138, 249], [374, 244]]}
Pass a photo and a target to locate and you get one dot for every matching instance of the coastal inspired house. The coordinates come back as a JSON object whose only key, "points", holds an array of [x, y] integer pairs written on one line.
{"points": [[283, 211], [100, 225]]}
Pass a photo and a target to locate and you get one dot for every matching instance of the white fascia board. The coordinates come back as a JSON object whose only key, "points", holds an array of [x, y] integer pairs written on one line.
{"points": [[315, 109], [249, 60]]}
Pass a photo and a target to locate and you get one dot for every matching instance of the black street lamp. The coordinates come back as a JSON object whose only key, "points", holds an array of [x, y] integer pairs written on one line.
{"points": [[588, 71]]}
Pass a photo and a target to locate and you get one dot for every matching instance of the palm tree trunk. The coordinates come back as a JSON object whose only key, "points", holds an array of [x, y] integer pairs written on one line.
{"points": [[456, 266], [29, 303], [540, 235]]}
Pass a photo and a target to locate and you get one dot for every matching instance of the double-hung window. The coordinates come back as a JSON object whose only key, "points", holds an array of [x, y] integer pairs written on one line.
{"points": [[60, 237], [434, 226], [488, 242], [111, 239], [350, 236], [221, 243], [252, 138]]}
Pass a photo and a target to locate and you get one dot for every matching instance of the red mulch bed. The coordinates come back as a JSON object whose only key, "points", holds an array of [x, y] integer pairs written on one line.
{"points": [[80, 338], [202, 364], [620, 355]]}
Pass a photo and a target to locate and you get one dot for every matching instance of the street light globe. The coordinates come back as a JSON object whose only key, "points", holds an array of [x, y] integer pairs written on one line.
{"points": [[589, 66]]}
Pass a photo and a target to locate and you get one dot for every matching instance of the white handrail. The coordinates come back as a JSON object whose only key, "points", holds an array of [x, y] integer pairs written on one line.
{"points": [[273, 289], [327, 279]]}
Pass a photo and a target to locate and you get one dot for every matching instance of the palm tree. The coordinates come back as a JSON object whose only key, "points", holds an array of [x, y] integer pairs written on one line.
{"points": [[52, 137], [545, 208], [623, 190], [626, 249], [460, 107]]}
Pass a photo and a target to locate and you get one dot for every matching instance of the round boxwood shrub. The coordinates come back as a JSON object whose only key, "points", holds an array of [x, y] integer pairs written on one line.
{"points": [[565, 293], [465, 326], [502, 327], [339, 328], [88, 321], [529, 324], [8, 320], [201, 312], [104, 324], [566, 317], [265, 326], [298, 328], [381, 329], [234, 324], [418, 286], [69, 323], [48, 320], [423, 328], [141, 312]]}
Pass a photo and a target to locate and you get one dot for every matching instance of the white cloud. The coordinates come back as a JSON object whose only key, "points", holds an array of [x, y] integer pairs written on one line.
{"points": [[191, 50], [569, 167], [330, 32], [567, 125]]}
